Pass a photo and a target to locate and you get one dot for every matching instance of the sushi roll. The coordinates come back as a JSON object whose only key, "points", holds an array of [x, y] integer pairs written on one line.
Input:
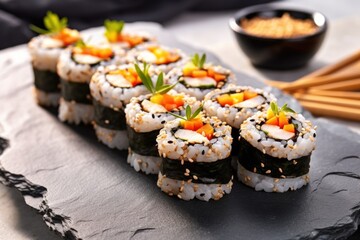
{"points": [[111, 89], [196, 157], [234, 105], [76, 66], [45, 50], [162, 58], [275, 150], [121, 39], [197, 78], [146, 115]]}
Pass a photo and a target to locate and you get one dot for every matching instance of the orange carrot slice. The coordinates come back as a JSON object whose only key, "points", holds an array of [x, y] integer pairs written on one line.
{"points": [[289, 128], [283, 120], [207, 130], [249, 95], [225, 99], [219, 77], [273, 121], [199, 73]]}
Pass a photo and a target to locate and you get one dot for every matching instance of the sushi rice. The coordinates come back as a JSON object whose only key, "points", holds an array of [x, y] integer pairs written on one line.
{"points": [[186, 152], [294, 153], [144, 125], [45, 52], [110, 96], [77, 74]]}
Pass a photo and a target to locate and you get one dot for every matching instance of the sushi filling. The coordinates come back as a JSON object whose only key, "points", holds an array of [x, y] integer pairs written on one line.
{"points": [[109, 118], [46, 81], [75, 91], [198, 172], [254, 160]]}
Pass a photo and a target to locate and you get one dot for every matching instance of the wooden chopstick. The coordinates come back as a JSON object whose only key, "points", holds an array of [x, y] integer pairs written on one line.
{"points": [[328, 100], [349, 85], [335, 67], [321, 109], [316, 81], [335, 94]]}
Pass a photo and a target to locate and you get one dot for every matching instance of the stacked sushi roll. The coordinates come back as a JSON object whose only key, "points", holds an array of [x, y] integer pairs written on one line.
{"points": [[121, 39], [146, 115], [196, 157], [197, 78], [275, 150], [235, 104], [76, 67], [112, 88], [161, 57], [45, 50]]}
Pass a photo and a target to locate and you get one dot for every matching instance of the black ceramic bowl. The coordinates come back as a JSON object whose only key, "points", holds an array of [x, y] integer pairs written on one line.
{"points": [[278, 53]]}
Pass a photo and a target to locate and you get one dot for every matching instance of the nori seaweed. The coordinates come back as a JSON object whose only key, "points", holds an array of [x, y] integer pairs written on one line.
{"points": [[46, 81], [250, 157], [74, 91], [235, 144], [109, 118], [219, 171], [143, 143]]}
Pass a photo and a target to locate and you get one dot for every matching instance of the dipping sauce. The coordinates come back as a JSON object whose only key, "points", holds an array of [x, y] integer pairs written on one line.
{"points": [[279, 27]]}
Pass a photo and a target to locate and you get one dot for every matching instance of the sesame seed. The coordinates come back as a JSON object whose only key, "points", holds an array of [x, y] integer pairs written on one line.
{"points": [[187, 170], [195, 177], [153, 116], [262, 165], [294, 162], [276, 180], [182, 161], [280, 170], [187, 174], [282, 176], [254, 169], [268, 172]]}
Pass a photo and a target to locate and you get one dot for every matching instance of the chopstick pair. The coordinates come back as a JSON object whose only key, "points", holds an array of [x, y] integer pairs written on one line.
{"points": [[331, 91]]}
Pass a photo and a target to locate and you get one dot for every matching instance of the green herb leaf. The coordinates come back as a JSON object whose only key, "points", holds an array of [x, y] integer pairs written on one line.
{"points": [[202, 61], [285, 108], [177, 116], [197, 61], [160, 81], [274, 108], [188, 112], [197, 112], [188, 115], [165, 88], [160, 87], [52, 23], [80, 43], [114, 25], [145, 78]]}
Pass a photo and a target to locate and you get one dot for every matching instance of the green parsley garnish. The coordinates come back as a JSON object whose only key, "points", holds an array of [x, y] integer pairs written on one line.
{"points": [[275, 108], [160, 87], [113, 28], [52, 23], [188, 116], [197, 61]]}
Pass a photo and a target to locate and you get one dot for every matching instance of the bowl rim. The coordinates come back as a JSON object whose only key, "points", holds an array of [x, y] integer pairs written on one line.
{"points": [[236, 28]]}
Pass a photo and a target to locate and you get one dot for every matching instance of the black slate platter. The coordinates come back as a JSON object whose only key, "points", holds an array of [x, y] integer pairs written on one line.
{"points": [[85, 190]]}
